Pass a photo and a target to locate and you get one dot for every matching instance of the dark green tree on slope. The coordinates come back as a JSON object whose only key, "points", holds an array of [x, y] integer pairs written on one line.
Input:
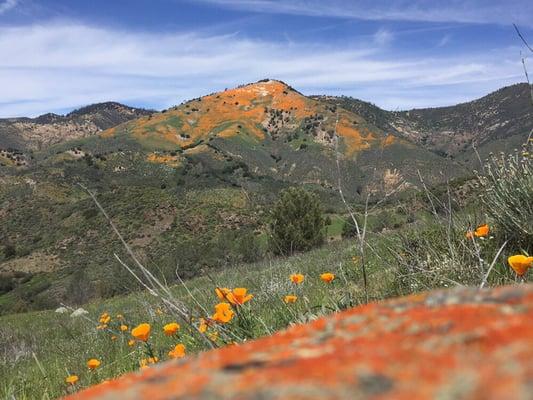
{"points": [[296, 223]]}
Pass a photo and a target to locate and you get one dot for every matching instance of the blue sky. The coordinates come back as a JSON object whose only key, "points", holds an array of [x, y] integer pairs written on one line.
{"points": [[56, 55]]}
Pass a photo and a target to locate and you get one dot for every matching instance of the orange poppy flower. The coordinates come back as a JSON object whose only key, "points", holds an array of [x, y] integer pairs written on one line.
{"points": [[223, 313], [131, 342], [177, 352], [222, 293], [141, 332], [93, 363], [239, 296], [123, 328], [171, 329], [327, 277], [105, 318], [482, 231], [290, 298], [203, 325], [296, 278], [520, 263], [72, 379]]}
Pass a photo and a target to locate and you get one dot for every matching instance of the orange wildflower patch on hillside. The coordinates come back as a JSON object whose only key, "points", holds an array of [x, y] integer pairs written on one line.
{"points": [[353, 138], [172, 161], [108, 132], [389, 140], [223, 114]]}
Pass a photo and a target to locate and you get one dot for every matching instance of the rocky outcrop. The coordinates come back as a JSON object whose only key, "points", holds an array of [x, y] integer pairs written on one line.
{"points": [[457, 344]]}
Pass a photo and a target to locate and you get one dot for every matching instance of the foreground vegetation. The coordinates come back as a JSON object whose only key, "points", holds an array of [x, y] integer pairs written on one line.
{"points": [[483, 242]]}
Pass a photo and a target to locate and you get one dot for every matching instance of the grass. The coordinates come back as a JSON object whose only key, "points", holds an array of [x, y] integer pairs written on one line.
{"points": [[417, 245], [39, 349]]}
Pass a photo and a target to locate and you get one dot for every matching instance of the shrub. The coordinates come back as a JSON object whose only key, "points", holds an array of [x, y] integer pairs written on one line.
{"points": [[297, 222], [508, 196]]}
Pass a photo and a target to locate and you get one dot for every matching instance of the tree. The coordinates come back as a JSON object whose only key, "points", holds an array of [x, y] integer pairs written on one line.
{"points": [[296, 223]]}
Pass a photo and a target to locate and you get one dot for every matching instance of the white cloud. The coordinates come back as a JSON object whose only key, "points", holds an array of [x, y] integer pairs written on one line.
{"points": [[383, 37], [469, 11], [57, 66], [7, 5]]}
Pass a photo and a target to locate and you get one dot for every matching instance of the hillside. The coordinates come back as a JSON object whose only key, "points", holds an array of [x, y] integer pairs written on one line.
{"points": [[499, 121], [33, 134], [191, 185], [276, 131]]}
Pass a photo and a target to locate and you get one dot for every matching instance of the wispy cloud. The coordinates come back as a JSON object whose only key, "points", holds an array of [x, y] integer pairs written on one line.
{"points": [[444, 40], [464, 11], [57, 66], [7, 5], [383, 37]]}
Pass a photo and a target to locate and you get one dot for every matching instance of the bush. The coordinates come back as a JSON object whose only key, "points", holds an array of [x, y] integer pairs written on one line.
{"points": [[297, 222], [508, 196]]}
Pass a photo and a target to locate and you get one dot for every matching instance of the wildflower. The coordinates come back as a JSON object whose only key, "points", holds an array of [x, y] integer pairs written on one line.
{"points": [[144, 363], [131, 342], [203, 325], [72, 379], [113, 337], [141, 332], [223, 313], [171, 329], [177, 352], [105, 318], [120, 317], [93, 363], [481, 231], [101, 327], [296, 278], [520, 263], [159, 311], [290, 298], [123, 328], [239, 296], [327, 277], [222, 293]]}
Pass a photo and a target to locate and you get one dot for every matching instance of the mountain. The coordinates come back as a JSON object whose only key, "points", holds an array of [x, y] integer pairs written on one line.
{"points": [[500, 121], [190, 187], [277, 132], [32, 134]]}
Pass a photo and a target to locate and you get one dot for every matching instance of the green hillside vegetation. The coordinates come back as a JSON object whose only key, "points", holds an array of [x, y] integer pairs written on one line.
{"points": [[191, 186]]}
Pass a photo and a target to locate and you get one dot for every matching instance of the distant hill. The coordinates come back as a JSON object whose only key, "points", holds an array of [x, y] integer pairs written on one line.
{"points": [[25, 134], [499, 121], [276, 131]]}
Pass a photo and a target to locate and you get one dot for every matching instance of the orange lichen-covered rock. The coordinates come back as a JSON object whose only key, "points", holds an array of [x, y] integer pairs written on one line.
{"points": [[457, 344]]}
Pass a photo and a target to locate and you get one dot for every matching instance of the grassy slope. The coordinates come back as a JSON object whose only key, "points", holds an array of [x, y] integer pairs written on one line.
{"points": [[62, 344]]}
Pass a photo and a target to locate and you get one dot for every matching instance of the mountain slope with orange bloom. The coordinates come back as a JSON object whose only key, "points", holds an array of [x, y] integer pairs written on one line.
{"points": [[278, 132]]}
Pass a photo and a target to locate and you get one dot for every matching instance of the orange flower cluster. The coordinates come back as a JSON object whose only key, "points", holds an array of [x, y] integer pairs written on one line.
{"points": [[171, 329], [290, 298], [145, 362], [296, 278], [223, 313], [481, 231], [177, 352], [327, 277], [237, 296], [72, 379], [93, 363], [141, 332], [520, 264]]}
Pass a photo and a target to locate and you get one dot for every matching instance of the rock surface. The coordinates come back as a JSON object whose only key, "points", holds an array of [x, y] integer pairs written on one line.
{"points": [[457, 344]]}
